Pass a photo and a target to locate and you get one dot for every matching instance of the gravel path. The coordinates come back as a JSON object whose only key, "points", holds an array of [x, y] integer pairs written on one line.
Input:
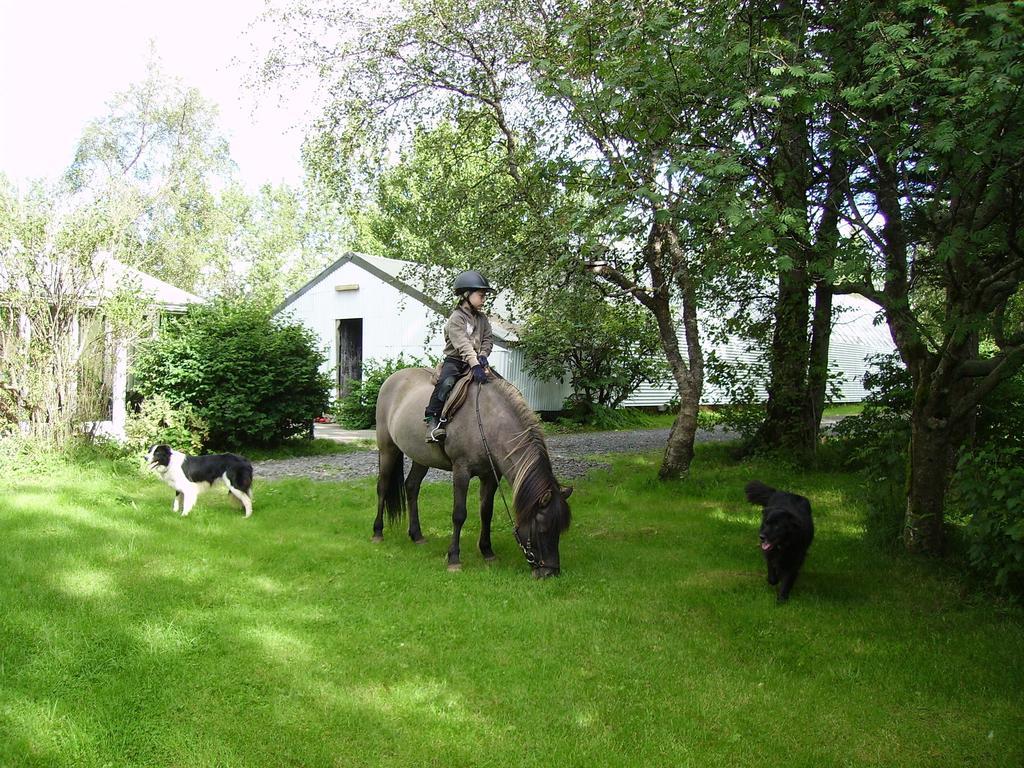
{"points": [[571, 456]]}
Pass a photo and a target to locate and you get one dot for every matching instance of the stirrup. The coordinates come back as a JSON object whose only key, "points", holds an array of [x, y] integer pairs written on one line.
{"points": [[436, 432]]}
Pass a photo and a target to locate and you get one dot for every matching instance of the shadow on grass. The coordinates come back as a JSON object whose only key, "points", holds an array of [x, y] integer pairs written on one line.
{"points": [[134, 637], [125, 608]]}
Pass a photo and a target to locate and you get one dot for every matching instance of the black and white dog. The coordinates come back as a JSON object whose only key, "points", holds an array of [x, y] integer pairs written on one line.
{"points": [[190, 475]]}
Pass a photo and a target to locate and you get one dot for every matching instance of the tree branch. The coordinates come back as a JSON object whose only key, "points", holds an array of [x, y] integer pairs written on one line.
{"points": [[991, 372]]}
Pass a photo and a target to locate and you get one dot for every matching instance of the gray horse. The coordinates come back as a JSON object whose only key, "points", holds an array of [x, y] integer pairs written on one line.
{"points": [[493, 428]]}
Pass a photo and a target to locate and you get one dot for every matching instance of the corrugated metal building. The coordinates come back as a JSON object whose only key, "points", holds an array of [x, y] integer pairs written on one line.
{"points": [[362, 309], [856, 337]]}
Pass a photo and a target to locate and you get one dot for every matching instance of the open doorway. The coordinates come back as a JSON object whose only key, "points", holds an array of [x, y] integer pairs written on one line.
{"points": [[350, 353]]}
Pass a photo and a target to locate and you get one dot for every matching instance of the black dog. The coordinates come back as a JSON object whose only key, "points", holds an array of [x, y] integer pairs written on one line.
{"points": [[786, 532]]}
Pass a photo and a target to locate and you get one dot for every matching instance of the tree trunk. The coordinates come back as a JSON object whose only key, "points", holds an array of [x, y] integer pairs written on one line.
{"points": [[679, 450], [930, 446], [669, 270], [938, 430], [689, 376], [784, 426], [817, 368], [826, 245]]}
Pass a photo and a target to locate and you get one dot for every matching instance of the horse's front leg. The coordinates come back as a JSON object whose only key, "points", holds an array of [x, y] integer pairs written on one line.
{"points": [[460, 486], [488, 487]]}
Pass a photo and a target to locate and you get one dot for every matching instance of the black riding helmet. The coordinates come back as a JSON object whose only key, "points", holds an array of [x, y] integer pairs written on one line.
{"points": [[469, 281]]}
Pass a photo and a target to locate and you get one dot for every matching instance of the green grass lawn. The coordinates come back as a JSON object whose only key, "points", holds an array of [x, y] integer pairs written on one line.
{"points": [[132, 637], [634, 418], [844, 409], [298, 447]]}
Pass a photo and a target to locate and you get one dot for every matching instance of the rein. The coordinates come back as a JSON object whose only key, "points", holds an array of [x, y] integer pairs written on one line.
{"points": [[527, 547]]}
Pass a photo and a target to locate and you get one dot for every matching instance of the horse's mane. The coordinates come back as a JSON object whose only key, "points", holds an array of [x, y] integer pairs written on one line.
{"points": [[532, 475]]}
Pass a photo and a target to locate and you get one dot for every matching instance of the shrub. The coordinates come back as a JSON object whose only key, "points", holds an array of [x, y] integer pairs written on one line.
{"points": [[740, 380], [606, 349], [708, 419], [158, 421], [603, 418], [988, 489], [875, 442], [990, 486], [1001, 420], [358, 408], [742, 418], [253, 379]]}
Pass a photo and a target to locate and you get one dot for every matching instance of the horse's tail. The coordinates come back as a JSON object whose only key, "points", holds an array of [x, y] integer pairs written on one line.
{"points": [[394, 485]]}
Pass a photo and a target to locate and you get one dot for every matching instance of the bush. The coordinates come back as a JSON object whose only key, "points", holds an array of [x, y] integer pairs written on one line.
{"points": [[740, 381], [606, 349], [157, 421], [253, 379], [988, 489], [990, 485], [875, 441], [603, 418], [358, 408], [742, 418], [708, 418]]}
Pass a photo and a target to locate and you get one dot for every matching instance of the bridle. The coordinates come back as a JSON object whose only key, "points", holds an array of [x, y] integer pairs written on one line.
{"points": [[527, 546]]}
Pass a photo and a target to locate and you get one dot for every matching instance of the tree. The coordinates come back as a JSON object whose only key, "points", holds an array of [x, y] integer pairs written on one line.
{"points": [[608, 349], [932, 95], [60, 319], [598, 116], [158, 153], [183, 215], [269, 244], [795, 172]]}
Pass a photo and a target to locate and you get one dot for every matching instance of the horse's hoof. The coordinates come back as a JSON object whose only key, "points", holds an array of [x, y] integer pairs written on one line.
{"points": [[454, 567], [377, 539], [420, 540], [490, 558]]}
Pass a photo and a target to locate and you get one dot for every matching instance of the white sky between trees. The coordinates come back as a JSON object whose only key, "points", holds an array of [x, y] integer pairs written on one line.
{"points": [[62, 61]]}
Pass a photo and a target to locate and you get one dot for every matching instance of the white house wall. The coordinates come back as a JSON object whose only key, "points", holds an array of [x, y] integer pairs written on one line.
{"points": [[856, 337], [395, 323], [541, 395]]}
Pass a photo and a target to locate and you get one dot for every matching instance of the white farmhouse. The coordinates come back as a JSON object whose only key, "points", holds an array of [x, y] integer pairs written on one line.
{"points": [[166, 299], [362, 309], [856, 338], [102, 358]]}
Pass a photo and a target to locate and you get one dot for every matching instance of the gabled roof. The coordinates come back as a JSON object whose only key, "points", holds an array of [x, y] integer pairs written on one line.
{"points": [[858, 320], [163, 293], [106, 274], [388, 271], [384, 269]]}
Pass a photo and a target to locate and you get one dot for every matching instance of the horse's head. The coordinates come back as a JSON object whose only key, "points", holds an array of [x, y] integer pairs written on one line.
{"points": [[539, 532], [541, 508]]}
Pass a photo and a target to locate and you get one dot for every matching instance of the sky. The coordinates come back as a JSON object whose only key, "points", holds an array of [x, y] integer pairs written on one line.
{"points": [[62, 62]]}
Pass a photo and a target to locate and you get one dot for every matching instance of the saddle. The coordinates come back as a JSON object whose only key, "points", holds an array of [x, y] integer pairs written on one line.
{"points": [[459, 391], [457, 396]]}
